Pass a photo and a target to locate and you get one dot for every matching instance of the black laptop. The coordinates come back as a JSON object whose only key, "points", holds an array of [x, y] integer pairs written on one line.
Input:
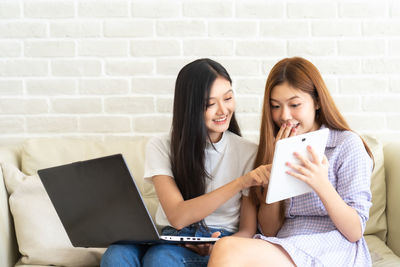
{"points": [[99, 204]]}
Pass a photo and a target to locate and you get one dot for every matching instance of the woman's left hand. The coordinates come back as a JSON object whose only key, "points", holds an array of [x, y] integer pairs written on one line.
{"points": [[314, 172], [202, 249]]}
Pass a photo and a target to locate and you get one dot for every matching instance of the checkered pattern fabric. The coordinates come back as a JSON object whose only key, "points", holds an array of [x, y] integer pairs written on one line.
{"points": [[308, 234]]}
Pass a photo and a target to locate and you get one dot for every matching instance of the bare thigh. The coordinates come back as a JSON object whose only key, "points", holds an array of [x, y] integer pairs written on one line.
{"points": [[237, 251]]}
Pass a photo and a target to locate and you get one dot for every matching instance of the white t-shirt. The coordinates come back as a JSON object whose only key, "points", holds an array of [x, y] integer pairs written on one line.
{"points": [[232, 157]]}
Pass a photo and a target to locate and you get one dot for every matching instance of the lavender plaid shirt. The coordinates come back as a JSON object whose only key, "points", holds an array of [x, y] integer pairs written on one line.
{"points": [[308, 234]]}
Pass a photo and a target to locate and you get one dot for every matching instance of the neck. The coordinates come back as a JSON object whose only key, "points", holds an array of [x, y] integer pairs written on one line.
{"points": [[215, 137], [316, 126]]}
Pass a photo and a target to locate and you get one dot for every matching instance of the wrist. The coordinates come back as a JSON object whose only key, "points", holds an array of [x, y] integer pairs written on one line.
{"points": [[326, 192], [241, 183], [325, 188]]}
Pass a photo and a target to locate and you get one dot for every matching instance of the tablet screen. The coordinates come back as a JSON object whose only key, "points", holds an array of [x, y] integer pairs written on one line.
{"points": [[282, 185]]}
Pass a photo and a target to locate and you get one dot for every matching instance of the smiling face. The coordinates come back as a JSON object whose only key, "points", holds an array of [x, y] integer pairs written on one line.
{"points": [[219, 109], [291, 105]]}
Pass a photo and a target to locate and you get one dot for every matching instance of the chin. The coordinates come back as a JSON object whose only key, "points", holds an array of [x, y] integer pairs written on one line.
{"points": [[222, 129]]}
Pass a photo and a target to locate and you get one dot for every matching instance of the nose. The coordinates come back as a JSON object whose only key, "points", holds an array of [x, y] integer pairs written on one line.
{"points": [[221, 108], [285, 114]]}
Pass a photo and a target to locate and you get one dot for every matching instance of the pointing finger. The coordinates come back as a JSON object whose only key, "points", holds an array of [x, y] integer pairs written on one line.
{"points": [[216, 234]]}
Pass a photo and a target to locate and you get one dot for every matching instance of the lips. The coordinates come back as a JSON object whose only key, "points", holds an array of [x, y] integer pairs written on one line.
{"points": [[293, 123], [221, 120]]}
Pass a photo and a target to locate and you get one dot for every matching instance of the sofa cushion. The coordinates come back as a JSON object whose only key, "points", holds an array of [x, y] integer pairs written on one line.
{"points": [[48, 152], [381, 255], [377, 224], [40, 234], [392, 174], [20, 264]]}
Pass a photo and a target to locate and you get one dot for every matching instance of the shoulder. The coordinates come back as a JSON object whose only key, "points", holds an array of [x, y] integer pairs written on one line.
{"points": [[162, 143], [348, 144], [157, 158], [239, 142], [339, 138]]}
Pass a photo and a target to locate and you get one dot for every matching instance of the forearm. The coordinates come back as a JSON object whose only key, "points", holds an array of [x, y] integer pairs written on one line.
{"points": [[270, 218], [248, 218], [345, 218], [193, 210], [181, 213], [244, 233]]}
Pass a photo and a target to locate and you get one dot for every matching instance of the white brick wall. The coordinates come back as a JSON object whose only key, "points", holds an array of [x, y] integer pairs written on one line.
{"points": [[76, 28], [49, 49], [49, 9], [107, 69], [103, 9], [10, 49], [50, 87], [76, 67]]}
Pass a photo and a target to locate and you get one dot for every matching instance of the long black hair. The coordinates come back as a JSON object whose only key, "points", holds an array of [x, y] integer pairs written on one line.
{"points": [[189, 134]]}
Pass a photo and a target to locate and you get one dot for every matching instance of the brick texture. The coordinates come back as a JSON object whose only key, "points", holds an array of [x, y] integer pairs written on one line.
{"points": [[107, 69]]}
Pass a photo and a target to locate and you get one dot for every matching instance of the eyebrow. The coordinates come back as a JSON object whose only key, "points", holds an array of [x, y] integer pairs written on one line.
{"points": [[293, 97], [230, 90]]}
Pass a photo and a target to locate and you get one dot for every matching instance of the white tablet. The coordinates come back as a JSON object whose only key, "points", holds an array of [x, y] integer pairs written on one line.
{"points": [[282, 185]]}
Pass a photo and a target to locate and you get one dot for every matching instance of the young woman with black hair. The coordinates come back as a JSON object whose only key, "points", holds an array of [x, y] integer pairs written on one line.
{"points": [[201, 172]]}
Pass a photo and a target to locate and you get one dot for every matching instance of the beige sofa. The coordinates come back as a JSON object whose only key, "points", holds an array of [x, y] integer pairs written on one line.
{"points": [[31, 233]]}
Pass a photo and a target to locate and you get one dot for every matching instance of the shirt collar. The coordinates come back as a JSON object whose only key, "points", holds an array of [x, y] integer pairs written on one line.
{"points": [[332, 138], [220, 145]]}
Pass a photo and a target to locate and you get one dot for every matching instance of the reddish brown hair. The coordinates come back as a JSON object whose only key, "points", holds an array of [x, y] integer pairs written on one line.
{"points": [[303, 75]]}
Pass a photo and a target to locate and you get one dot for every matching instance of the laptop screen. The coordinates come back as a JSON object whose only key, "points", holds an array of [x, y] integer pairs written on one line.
{"points": [[98, 202]]}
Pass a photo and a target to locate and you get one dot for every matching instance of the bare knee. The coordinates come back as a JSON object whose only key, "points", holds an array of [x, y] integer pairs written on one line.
{"points": [[224, 251], [226, 243], [237, 251]]}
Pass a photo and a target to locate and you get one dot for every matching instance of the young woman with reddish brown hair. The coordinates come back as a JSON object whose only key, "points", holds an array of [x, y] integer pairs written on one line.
{"points": [[321, 228]]}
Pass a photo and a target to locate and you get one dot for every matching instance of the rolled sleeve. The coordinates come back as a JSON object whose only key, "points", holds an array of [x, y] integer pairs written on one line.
{"points": [[354, 176]]}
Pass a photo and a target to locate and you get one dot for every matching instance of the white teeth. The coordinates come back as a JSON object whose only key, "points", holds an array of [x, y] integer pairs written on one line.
{"points": [[224, 118]]}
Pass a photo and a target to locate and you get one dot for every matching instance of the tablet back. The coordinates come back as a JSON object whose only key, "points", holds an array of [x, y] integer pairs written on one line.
{"points": [[282, 185]]}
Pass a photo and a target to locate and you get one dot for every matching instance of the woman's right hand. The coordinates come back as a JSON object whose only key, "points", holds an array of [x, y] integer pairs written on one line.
{"points": [[288, 129], [257, 177]]}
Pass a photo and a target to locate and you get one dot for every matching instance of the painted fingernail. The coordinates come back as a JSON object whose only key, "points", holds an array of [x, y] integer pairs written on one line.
{"points": [[308, 147], [295, 153]]}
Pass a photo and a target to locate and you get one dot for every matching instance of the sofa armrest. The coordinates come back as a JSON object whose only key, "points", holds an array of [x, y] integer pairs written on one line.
{"points": [[8, 243], [392, 174]]}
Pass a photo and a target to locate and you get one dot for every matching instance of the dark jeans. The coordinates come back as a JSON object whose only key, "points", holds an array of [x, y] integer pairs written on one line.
{"points": [[160, 254]]}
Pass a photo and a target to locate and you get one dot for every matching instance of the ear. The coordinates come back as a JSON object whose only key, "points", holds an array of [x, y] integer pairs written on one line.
{"points": [[317, 105]]}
